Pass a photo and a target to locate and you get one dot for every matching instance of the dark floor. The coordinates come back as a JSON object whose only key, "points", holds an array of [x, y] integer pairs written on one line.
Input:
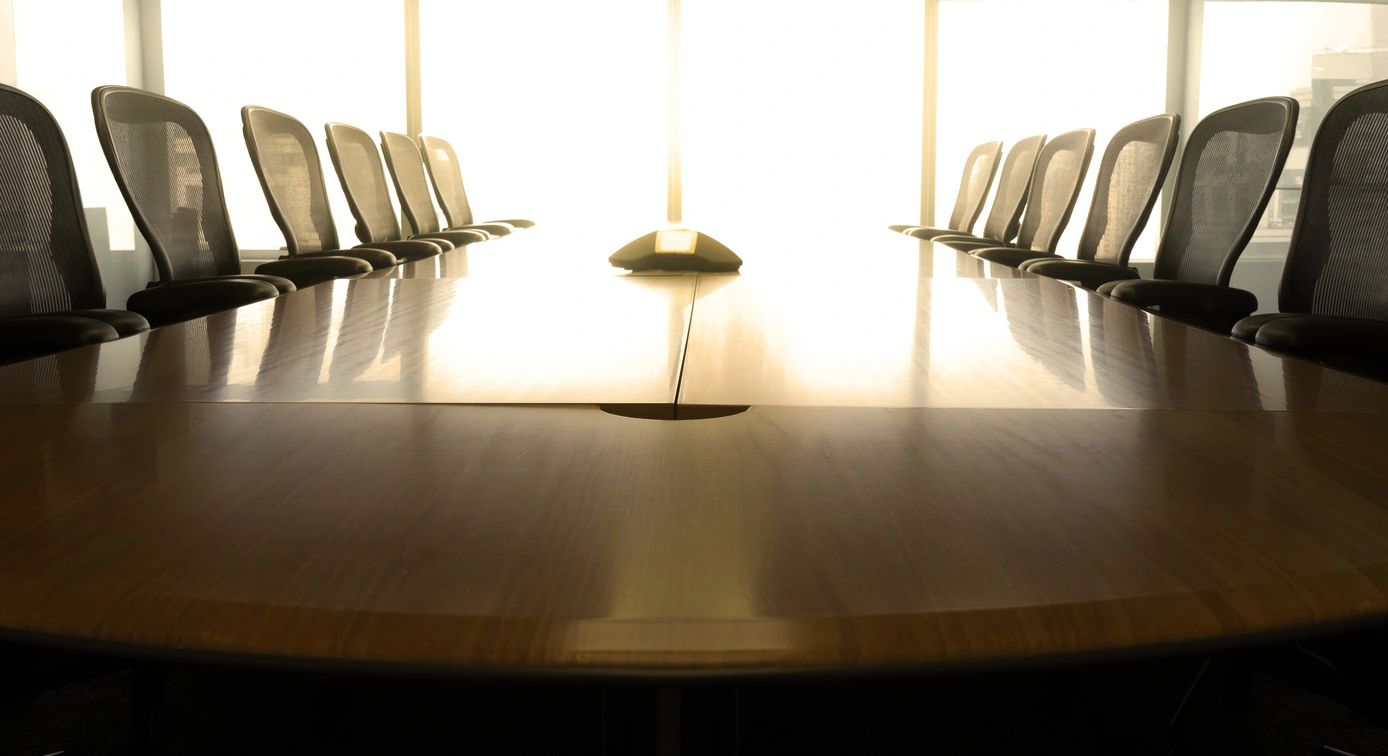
{"points": [[1106, 709]]}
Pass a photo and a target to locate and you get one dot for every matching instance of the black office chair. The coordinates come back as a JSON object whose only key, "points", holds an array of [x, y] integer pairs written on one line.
{"points": [[358, 166], [979, 169], [1227, 175], [1060, 170], [1131, 175], [51, 296], [446, 174], [286, 161], [1334, 293], [407, 173], [1005, 216], [163, 160]]}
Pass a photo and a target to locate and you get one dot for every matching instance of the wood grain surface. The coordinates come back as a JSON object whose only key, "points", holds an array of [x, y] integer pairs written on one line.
{"points": [[943, 465], [783, 539]]}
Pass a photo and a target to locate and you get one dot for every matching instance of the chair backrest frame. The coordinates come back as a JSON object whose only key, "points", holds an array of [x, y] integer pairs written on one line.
{"points": [[80, 279], [1268, 122], [446, 175], [1347, 163], [980, 169], [1043, 223], [1014, 184], [172, 236], [317, 223], [407, 172], [363, 180], [1106, 237]]}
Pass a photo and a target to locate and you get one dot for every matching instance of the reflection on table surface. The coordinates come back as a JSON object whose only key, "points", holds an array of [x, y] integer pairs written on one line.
{"points": [[1024, 342], [509, 340], [541, 318]]}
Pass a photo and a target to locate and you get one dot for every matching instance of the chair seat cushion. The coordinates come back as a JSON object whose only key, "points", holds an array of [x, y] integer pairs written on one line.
{"points": [[443, 244], [1247, 329], [125, 322], [967, 243], [1219, 308], [1106, 289], [282, 285], [456, 238], [26, 336], [1011, 256], [310, 271], [378, 259], [927, 232], [515, 222], [1357, 345], [175, 301], [409, 250], [491, 229], [1086, 273]]}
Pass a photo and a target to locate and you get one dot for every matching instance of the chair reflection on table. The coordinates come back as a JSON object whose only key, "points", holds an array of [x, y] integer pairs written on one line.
{"points": [[1138, 355], [297, 340], [1137, 359], [1044, 321], [994, 270], [450, 264], [1183, 353], [967, 266], [69, 418], [987, 285], [361, 319], [1120, 346], [188, 359], [373, 328], [49, 380], [237, 355], [1310, 388], [408, 338]]}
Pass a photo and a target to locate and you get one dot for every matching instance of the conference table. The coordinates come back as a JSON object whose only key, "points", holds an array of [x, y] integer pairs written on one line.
{"points": [[516, 460]]}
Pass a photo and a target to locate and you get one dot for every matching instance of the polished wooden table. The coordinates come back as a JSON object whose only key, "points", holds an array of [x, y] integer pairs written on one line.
{"points": [[942, 465]]}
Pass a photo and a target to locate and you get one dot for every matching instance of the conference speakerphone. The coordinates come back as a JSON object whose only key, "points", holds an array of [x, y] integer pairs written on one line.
{"points": [[677, 249]]}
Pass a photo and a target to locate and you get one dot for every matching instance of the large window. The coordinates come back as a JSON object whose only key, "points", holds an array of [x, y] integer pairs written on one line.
{"points": [[1011, 68], [1315, 52], [802, 115], [47, 33], [557, 108], [317, 60], [793, 113]]}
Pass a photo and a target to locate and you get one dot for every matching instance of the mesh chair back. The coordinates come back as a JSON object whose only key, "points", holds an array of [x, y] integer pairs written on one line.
{"points": [[407, 171], [358, 166], [1338, 264], [447, 176], [1006, 213], [1060, 170], [286, 160], [1228, 172], [1055, 185], [979, 170], [165, 166], [1131, 175], [46, 261]]}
